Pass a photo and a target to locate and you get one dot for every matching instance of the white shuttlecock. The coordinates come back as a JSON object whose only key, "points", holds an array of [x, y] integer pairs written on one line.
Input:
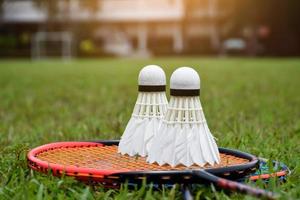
{"points": [[148, 112], [184, 137]]}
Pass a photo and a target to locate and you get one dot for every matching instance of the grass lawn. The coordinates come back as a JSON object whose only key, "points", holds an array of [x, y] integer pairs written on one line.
{"points": [[250, 104]]}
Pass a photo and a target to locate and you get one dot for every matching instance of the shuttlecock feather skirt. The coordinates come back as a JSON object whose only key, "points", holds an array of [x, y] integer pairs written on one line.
{"points": [[184, 137], [146, 118]]}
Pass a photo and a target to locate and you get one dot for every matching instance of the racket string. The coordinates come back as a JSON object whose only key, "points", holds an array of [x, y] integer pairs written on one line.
{"points": [[106, 157]]}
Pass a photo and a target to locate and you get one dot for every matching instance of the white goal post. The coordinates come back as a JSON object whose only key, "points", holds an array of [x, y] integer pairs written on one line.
{"points": [[52, 44]]}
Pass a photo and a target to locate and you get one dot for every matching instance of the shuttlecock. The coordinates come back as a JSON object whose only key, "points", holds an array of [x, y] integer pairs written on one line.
{"points": [[148, 112], [184, 137]]}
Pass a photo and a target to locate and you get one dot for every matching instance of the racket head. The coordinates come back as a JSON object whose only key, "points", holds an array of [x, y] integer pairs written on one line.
{"points": [[99, 162]]}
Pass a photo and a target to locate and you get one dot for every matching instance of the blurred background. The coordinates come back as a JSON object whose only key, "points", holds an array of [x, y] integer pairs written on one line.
{"points": [[249, 89], [141, 28]]}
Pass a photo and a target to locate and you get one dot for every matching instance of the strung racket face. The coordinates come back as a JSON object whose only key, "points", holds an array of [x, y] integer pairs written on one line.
{"points": [[99, 162]]}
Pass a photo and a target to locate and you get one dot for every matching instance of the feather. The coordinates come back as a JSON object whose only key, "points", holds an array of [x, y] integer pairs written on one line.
{"points": [[144, 123], [184, 137]]}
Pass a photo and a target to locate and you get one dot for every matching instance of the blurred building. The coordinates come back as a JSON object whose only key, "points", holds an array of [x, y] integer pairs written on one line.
{"points": [[120, 27], [127, 28]]}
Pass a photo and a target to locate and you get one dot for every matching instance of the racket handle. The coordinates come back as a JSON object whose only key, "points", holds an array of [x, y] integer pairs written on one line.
{"points": [[186, 193], [239, 187], [234, 186]]}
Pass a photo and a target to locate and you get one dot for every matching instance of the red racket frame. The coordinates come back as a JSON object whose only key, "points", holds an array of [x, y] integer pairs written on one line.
{"points": [[58, 169], [209, 175]]}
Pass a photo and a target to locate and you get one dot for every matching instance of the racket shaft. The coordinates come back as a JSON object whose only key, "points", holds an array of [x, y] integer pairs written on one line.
{"points": [[187, 195], [233, 186]]}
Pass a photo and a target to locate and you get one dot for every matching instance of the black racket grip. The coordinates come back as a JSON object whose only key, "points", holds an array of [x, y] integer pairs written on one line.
{"points": [[186, 193], [233, 186], [246, 189]]}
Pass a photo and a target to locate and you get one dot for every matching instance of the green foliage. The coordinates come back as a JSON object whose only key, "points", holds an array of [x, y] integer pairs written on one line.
{"points": [[8, 42], [250, 104]]}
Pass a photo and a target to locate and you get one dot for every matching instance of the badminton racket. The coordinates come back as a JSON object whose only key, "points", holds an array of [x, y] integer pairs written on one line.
{"points": [[99, 163]]}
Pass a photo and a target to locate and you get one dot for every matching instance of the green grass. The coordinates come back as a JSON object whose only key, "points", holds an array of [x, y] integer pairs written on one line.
{"points": [[250, 104]]}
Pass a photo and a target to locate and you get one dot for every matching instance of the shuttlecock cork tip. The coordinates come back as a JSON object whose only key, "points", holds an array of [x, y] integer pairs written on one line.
{"points": [[152, 75], [185, 78]]}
